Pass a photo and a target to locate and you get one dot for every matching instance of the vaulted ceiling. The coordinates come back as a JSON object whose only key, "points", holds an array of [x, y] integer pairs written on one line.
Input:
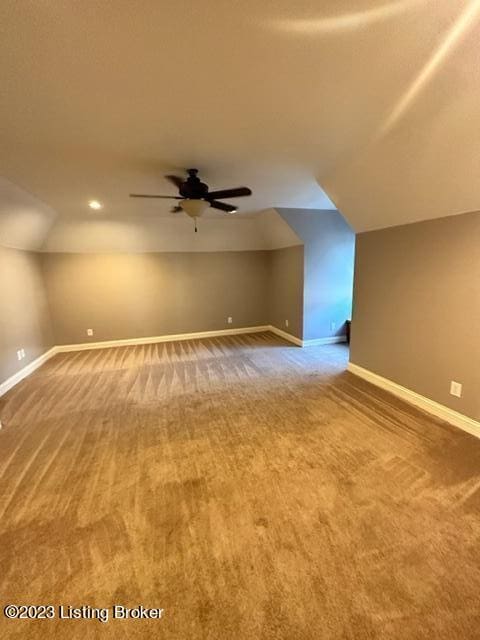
{"points": [[374, 103]]}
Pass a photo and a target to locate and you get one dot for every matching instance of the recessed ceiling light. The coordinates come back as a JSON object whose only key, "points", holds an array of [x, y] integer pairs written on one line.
{"points": [[95, 204]]}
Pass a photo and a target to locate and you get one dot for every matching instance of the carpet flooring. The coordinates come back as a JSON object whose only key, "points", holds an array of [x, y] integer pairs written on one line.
{"points": [[247, 487]]}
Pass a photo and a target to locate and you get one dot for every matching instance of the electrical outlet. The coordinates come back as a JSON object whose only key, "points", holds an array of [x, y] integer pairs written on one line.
{"points": [[229, 319], [286, 323], [89, 332], [456, 389], [23, 353], [19, 354]]}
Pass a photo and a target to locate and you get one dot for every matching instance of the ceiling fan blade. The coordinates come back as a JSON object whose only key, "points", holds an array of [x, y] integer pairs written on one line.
{"points": [[176, 180], [144, 195], [223, 206], [229, 193]]}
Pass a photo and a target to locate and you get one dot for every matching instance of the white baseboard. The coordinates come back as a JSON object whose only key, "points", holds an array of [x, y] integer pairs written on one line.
{"points": [[430, 406], [286, 336], [107, 344], [26, 371], [65, 348], [85, 346], [307, 343], [320, 341]]}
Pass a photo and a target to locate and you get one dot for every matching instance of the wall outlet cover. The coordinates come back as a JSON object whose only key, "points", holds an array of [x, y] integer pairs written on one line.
{"points": [[286, 323], [229, 319], [456, 389], [89, 332]]}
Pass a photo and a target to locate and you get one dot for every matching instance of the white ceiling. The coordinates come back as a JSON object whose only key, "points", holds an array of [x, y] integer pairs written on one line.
{"points": [[376, 101]]}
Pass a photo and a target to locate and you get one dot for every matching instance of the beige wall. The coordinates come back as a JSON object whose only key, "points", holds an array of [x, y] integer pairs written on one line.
{"points": [[131, 295], [286, 289], [416, 317], [137, 295], [24, 317], [53, 298]]}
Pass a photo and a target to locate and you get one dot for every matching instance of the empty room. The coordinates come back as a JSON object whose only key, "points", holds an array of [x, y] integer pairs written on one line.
{"points": [[239, 319]]}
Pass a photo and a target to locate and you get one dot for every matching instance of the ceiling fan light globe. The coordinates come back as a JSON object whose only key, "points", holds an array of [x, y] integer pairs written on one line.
{"points": [[194, 208]]}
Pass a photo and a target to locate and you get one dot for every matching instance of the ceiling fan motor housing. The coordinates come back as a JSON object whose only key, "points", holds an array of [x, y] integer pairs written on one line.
{"points": [[193, 188], [192, 191]]}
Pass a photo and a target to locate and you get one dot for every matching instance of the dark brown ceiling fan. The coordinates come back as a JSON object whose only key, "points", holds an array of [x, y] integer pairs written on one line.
{"points": [[195, 195]]}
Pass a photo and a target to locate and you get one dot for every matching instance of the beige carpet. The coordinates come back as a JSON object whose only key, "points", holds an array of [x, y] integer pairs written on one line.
{"points": [[249, 488]]}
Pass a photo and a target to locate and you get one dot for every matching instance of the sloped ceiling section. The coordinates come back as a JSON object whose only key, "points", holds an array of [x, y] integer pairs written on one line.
{"points": [[103, 234], [26, 223], [375, 101], [420, 158], [24, 220], [276, 231]]}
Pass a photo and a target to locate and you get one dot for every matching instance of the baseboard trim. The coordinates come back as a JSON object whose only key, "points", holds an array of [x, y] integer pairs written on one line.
{"points": [[307, 343], [321, 341], [107, 344], [9, 383], [286, 336], [430, 406]]}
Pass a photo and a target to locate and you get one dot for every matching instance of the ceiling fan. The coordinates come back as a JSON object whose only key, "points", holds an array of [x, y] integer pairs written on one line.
{"points": [[195, 197]]}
